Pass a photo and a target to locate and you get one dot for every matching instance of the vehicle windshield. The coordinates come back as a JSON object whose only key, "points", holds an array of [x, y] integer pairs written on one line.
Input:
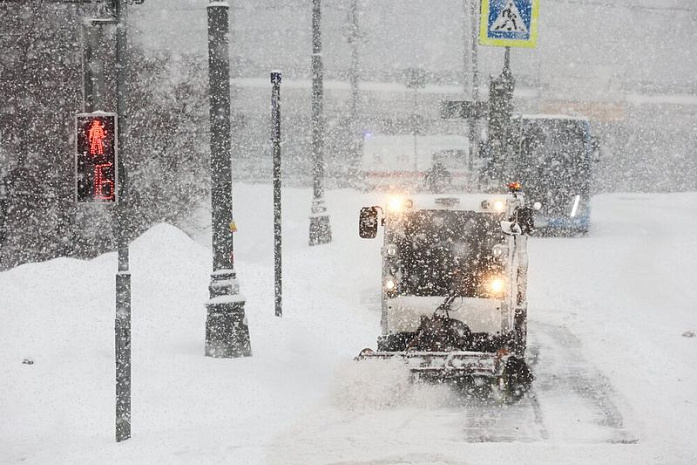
{"points": [[448, 252], [554, 160]]}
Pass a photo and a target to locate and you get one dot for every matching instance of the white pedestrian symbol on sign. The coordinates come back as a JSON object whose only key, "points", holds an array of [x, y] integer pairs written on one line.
{"points": [[509, 19], [509, 23]]}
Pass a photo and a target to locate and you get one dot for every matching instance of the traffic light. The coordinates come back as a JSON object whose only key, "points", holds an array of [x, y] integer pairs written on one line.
{"points": [[96, 157]]}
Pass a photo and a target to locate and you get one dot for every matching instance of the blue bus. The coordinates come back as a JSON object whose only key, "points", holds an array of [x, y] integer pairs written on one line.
{"points": [[552, 159]]}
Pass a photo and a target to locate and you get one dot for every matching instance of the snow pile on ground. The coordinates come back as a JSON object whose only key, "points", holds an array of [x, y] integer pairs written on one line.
{"points": [[615, 378]]}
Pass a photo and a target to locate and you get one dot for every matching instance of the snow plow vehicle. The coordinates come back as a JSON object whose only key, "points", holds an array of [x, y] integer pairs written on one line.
{"points": [[454, 278]]}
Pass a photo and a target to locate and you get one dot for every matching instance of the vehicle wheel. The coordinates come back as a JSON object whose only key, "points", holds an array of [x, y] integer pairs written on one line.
{"points": [[517, 379]]}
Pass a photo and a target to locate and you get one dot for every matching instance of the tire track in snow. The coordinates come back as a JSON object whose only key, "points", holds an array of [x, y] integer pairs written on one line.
{"points": [[490, 421], [518, 422], [578, 400]]}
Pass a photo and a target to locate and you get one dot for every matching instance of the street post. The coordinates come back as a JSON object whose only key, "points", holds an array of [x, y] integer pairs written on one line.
{"points": [[227, 331], [320, 229]]}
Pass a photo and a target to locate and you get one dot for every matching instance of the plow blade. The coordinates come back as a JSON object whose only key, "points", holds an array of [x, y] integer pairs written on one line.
{"points": [[443, 364]]}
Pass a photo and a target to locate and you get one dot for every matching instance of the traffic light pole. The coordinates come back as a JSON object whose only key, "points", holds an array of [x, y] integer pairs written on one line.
{"points": [[320, 230], [227, 333], [123, 275], [88, 75], [92, 63]]}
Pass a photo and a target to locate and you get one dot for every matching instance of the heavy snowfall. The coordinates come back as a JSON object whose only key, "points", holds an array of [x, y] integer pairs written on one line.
{"points": [[609, 318], [611, 313]]}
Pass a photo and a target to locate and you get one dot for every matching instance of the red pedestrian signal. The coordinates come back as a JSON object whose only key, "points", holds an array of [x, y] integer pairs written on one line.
{"points": [[96, 157]]}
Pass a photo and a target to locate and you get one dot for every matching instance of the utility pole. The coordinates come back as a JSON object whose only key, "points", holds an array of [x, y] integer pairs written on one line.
{"points": [[123, 275], [415, 80], [474, 17], [356, 136], [499, 118], [276, 139], [227, 333], [320, 230], [473, 136]]}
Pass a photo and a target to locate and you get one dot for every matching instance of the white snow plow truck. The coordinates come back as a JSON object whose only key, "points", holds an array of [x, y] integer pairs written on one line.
{"points": [[454, 278]]}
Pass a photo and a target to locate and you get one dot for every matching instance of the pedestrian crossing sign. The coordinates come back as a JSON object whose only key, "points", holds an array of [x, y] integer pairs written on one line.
{"points": [[509, 23]]}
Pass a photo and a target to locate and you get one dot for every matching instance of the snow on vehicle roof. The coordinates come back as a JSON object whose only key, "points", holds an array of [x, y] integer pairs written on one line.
{"points": [[559, 117]]}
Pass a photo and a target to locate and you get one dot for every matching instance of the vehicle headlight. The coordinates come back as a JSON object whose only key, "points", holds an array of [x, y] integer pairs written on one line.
{"points": [[497, 205], [390, 284], [398, 203], [495, 285]]}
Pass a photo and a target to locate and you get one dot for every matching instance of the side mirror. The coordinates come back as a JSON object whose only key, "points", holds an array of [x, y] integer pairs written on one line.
{"points": [[368, 223], [511, 228]]}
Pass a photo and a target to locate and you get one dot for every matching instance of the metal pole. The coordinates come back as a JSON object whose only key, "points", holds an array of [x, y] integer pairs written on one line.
{"points": [[123, 276], [3, 210], [227, 333], [356, 136], [93, 63], [509, 83], [507, 60], [475, 50], [474, 124], [414, 130], [87, 67], [276, 137], [415, 79], [320, 230]]}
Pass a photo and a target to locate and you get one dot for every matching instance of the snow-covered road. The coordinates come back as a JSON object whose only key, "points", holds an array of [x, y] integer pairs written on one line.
{"points": [[616, 380]]}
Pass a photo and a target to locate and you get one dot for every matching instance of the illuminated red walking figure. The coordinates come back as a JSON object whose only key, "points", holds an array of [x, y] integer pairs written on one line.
{"points": [[103, 185], [96, 135]]}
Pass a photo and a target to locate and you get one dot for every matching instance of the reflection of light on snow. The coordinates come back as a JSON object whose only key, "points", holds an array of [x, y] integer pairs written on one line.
{"points": [[367, 134]]}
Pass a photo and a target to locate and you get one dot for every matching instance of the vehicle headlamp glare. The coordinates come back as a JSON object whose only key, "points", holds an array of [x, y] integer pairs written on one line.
{"points": [[397, 204], [390, 284], [391, 250], [497, 205], [495, 285]]}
